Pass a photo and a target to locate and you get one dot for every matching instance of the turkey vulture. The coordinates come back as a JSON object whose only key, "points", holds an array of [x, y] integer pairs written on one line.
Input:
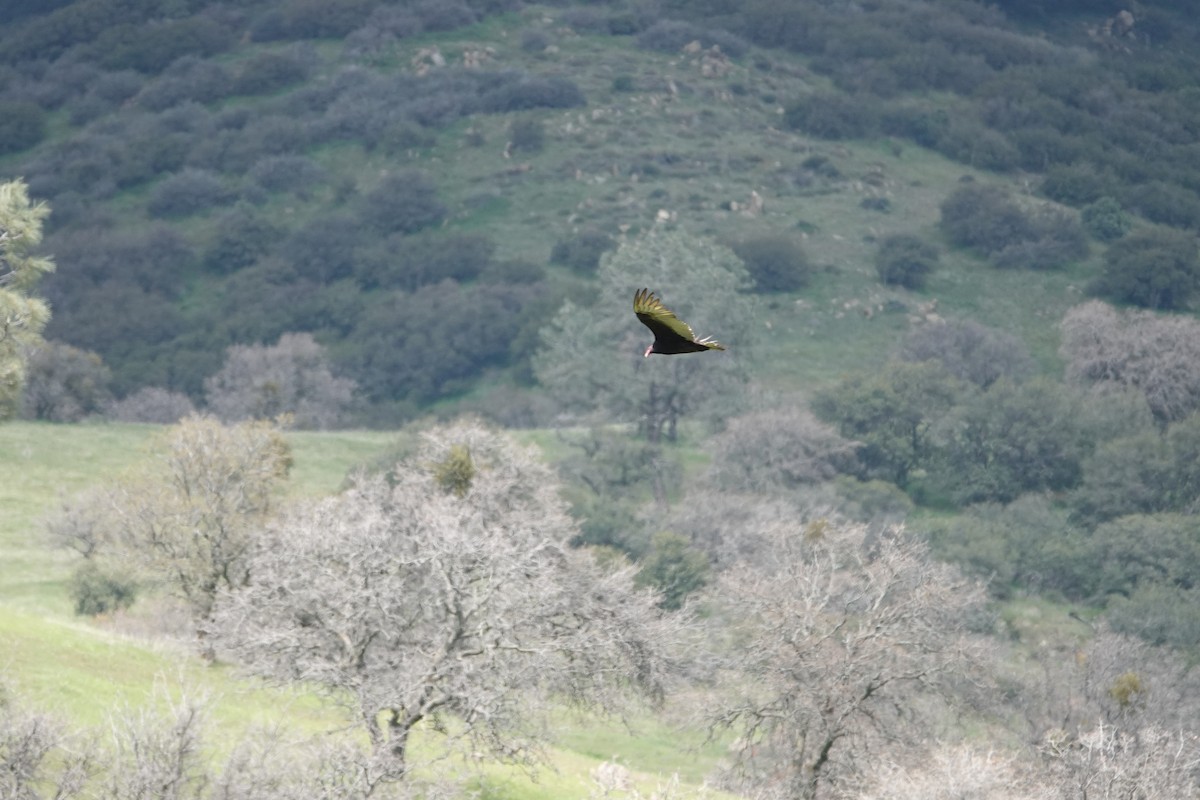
{"points": [[671, 334]]}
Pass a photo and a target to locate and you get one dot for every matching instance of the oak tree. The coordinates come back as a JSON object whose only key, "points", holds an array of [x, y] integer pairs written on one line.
{"points": [[446, 598]]}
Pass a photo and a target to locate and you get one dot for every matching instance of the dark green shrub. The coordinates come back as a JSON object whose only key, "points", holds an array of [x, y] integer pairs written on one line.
{"points": [[286, 173], [776, 261], [1144, 473], [988, 219], [673, 567], [436, 341], [670, 36], [185, 193], [623, 83], [416, 260], [150, 48], [1028, 543], [1075, 184], [444, 15], [984, 218], [190, 78], [1144, 549], [1160, 614], [871, 501], [892, 413], [534, 41], [978, 146], [312, 19], [1154, 268], [905, 260], [834, 115], [527, 134], [582, 251], [925, 126], [1009, 440], [241, 237], [584, 20], [1165, 203], [326, 252], [1055, 238], [1106, 220], [22, 125], [155, 257], [113, 88], [405, 201], [513, 271], [271, 71], [1043, 148], [525, 92], [93, 591]]}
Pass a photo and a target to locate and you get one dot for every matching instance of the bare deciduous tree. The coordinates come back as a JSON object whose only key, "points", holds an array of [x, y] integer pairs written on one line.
{"points": [[957, 772], [969, 350], [1115, 680], [189, 517], [38, 757], [164, 750], [1108, 763], [289, 377], [735, 527], [63, 383], [779, 450], [151, 404], [457, 604], [841, 641], [1157, 354]]}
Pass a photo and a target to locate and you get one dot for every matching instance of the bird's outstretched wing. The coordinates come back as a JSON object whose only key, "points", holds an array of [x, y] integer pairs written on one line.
{"points": [[668, 329]]}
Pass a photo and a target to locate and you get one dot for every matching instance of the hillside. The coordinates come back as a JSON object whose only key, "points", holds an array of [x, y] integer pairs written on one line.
{"points": [[237, 175]]}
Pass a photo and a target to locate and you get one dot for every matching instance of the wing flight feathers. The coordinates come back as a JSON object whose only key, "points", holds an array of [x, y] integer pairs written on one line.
{"points": [[663, 322]]}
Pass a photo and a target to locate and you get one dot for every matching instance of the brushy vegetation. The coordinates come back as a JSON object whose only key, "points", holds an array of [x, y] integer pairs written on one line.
{"points": [[297, 155]]}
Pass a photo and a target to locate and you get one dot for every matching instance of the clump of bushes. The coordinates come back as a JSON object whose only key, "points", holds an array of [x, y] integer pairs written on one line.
{"points": [[670, 36], [833, 115], [94, 591], [1105, 219], [1153, 268], [406, 201], [582, 251], [776, 261], [22, 125], [988, 219], [524, 92], [905, 260], [187, 192]]}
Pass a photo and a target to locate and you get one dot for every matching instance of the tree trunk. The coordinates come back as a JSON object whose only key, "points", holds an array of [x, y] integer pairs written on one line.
{"points": [[651, 418]]}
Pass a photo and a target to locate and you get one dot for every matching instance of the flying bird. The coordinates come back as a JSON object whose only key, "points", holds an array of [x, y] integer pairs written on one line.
{"points": [[671, 334]]}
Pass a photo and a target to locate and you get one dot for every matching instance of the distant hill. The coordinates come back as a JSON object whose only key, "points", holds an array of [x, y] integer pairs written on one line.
{"points": [[420, 184]]}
